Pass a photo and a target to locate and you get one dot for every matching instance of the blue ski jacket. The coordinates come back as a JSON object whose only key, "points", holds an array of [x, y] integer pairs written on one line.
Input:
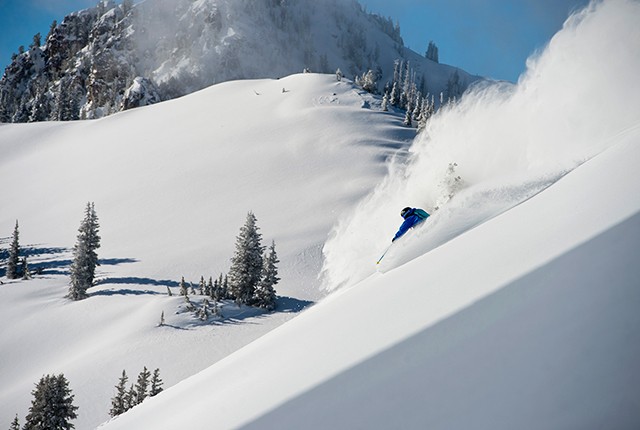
{"points": [[412, 218]]}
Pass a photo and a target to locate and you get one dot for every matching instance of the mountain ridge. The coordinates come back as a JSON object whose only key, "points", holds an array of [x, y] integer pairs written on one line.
{"points": [[110, 58]]}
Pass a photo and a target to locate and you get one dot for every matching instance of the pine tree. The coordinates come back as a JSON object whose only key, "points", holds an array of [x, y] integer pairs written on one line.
{"points": [[203, 313], [385, 102], [265, 296], [202, 286], [224, 286], [246, 264], [131, 398], [142, 385], [212, 288], [15, 424], [119, 401], [156, 384], [14, 254], [368, 82], [407, 118], [52, 406], [432, 52], [395, 95], [85, 257], [183, 288], [26, 274]]}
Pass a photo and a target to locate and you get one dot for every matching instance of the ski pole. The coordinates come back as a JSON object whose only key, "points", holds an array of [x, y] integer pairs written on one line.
{"points": [[384, 253]]}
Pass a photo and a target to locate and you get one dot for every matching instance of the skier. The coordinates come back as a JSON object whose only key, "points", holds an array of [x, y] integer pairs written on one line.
{"points": [[412, 217]]}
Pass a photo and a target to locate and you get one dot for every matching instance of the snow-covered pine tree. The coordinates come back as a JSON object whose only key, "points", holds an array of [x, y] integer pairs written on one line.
{"points": [[407, 118], [188, 305], [246, 263], [156, 384], [417, 110], [265, 295], [395, 95], [369, 82], [52, 406], [85, 257], [203, 313], [202, 286], [142, 385], [183, 288], [119, 401], [385, 102], [14, 254]]}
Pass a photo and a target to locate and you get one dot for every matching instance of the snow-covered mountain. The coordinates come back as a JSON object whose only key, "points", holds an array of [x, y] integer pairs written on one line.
{"points": [[114, 57], [514, 306]]}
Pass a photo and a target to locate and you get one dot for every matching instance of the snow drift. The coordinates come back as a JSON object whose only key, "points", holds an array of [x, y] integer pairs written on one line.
{"points": [[508, 142]]}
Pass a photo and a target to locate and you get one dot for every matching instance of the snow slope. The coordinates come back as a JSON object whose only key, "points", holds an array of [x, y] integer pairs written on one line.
{"points": [[517, 309], [539, 331], [172, 184]]}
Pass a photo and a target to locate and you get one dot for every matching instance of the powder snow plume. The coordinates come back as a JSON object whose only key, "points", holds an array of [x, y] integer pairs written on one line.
{"points": [[502, 143]]}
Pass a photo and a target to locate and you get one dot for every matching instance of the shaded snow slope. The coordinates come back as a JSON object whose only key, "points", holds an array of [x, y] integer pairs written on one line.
{"points": [[172, 184]]}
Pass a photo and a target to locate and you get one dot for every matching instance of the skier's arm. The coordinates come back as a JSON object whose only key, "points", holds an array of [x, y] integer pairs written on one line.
{"points": [[406, 225]]}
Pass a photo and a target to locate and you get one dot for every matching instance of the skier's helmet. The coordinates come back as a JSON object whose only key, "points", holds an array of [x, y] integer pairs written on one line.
{"points": [[404, 211]]}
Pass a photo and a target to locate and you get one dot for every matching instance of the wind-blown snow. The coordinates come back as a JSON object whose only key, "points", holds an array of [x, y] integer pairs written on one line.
{"points": [[509, 142]]}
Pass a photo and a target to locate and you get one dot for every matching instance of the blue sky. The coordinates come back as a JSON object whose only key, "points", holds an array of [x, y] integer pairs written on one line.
{"points": [[486, 37]]}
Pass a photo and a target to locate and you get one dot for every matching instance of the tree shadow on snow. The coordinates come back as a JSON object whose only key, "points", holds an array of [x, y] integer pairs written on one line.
{"points": [[132, 291]]}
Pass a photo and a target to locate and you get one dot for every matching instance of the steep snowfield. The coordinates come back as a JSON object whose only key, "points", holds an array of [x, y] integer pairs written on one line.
{"points": [[510, 325], [514, 307], [172, 184]]}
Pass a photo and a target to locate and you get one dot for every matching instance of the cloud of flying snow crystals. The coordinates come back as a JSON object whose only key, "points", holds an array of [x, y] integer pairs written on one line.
{"points": [[506, 140]]}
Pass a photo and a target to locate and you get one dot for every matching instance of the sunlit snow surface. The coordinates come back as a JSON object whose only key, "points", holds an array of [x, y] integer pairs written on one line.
{"points": [[514, 306]]}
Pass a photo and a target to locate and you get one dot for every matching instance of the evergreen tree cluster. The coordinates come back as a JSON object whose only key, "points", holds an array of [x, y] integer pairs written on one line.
{"points": [[432, 52], [253, 273], [213, 292], [147, 385], [250, 281], [52, 406], [406, 92], [85, 257]]}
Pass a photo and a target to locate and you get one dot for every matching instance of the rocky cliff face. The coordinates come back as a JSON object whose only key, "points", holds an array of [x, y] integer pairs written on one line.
{"points": [[114, 57]]}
